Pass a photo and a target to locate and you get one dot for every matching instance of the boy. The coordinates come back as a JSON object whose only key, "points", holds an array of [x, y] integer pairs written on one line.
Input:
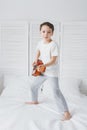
{"points": [[47, 51]]}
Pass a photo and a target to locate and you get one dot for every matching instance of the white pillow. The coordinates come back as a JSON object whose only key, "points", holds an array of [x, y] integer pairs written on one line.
{"points": [[70, 87], [16, 87]]}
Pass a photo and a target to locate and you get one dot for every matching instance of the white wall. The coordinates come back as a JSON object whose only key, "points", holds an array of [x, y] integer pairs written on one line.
{"points": [[43, 9]]}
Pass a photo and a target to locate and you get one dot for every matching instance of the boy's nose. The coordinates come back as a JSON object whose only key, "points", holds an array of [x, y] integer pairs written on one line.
{"points": [[46, 34]]}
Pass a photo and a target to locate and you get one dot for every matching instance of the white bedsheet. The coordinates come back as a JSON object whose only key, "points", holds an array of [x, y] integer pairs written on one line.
{"points": [[16, 115]]}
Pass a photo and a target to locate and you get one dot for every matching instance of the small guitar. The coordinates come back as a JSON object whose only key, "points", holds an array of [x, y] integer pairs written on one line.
{"points": [[36, 71]]}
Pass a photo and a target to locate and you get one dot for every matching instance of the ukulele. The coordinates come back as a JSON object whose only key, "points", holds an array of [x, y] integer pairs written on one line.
{"points": [[37, 72]]}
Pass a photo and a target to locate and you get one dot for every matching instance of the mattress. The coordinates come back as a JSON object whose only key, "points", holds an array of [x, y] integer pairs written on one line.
{"points": [[15, 114]]}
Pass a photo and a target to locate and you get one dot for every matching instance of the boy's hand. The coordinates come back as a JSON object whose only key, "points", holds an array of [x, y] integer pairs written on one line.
{"points": [[34, 63], [41, 68], [38, 68]]}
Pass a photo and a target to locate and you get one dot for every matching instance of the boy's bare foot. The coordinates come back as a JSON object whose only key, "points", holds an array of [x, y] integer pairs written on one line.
{"points": [[32, 103], [67, 116]]}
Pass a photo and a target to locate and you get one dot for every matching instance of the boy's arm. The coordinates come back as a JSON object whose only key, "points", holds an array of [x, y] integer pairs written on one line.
{"points": [[51, 62], [41, 68], [37, 56]]}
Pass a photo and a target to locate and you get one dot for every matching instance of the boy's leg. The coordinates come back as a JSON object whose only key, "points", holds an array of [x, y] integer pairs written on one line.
{"points": [[35, 84], [59, 98]]}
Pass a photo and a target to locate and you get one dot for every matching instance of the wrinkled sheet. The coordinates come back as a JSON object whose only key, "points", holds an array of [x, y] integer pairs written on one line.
{"points": [[16, 115]]}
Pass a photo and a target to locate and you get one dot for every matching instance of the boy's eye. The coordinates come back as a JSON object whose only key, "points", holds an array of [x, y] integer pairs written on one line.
{"points": [[43, 31], [47, 32]]}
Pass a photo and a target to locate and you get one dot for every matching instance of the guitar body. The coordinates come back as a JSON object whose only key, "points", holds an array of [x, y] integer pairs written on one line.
{"points": [[35, 68]]}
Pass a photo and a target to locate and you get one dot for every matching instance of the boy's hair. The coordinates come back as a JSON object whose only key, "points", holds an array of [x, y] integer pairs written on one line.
{"points": [[50, 25]]}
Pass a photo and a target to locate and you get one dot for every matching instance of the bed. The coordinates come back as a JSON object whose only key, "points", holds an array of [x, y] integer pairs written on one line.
{"points": [[15, 114], [17, 46]]}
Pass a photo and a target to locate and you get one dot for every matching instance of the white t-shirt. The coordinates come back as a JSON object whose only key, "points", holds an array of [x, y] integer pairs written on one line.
{"points": [[46, 51]]}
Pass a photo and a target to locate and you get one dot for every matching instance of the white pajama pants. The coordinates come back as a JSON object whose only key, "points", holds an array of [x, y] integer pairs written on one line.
{"points": [[59, 98]]}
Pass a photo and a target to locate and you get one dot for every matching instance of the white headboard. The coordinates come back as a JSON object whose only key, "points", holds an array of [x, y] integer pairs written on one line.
{"points": [[73, 50], [14, 47]]}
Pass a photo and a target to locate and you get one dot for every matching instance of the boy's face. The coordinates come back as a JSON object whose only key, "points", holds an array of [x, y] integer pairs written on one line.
{"points": [[46, 33]]}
